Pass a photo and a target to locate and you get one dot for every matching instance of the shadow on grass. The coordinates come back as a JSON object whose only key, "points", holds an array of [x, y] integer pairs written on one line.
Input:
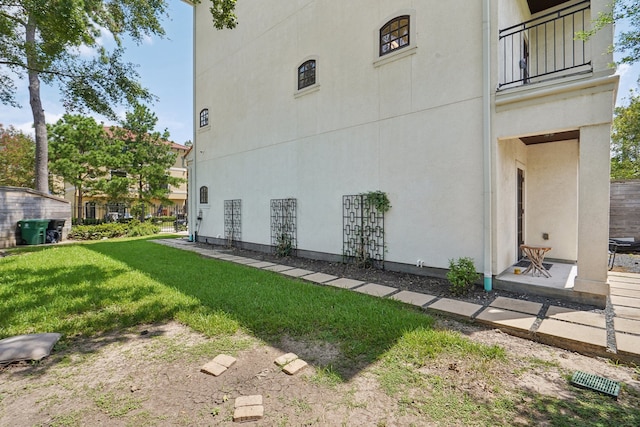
{"points": [[270, 306]]}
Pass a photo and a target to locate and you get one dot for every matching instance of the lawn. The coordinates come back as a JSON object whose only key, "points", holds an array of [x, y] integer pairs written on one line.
{"points": [[83, 290]]}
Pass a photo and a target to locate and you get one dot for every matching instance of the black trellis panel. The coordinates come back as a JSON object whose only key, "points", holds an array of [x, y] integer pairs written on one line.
{"points": [[284, 226], [233, 220], [363, 231]]}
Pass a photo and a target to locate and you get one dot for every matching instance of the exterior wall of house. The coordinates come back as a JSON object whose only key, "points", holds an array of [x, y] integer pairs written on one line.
{"points": [[409, 123], [394, 128]]}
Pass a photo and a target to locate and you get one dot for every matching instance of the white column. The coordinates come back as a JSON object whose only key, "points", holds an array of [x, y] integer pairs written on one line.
{"points": [[593, 210]]}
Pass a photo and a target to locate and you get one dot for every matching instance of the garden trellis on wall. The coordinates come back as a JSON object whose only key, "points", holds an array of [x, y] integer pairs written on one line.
{"points": [[363, 231], [233, 220], [284, 226]]}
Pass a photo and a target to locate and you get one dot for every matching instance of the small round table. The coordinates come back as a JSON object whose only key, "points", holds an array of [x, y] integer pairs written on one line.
{"points": [[536, 256]]}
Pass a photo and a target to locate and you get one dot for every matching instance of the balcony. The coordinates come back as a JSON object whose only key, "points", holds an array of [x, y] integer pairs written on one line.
{"points": [[545, 48]]}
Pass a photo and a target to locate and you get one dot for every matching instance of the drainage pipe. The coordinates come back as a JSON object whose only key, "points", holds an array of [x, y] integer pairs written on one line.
{"points": [[486, 142], [192, 192]]}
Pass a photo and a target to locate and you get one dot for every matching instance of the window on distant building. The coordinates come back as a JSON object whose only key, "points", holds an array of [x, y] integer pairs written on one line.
{"points": [[204, 117], [204, 194], [394, 35], [90, 210], [307, 74]]}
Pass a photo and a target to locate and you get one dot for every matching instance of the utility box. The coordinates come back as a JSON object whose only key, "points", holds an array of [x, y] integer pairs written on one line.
{"points": [[33, 231]]}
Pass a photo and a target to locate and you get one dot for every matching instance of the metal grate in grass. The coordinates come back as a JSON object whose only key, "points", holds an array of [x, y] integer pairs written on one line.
{"points": [[594, 382]]}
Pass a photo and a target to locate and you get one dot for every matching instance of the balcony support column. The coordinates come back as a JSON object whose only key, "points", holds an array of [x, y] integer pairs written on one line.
{"points": [[593, 211]]}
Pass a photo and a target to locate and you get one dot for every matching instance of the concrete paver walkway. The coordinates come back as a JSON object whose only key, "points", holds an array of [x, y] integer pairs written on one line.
{"points": [[617, 337]]}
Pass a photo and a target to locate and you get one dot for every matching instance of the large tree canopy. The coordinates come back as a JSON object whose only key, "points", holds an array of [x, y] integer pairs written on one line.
{"points": [[41, 40], [141, 159], [79, 154]]}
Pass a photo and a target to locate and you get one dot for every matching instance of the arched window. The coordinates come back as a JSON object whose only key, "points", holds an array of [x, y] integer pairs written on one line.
{"points": [[204, 117], [204, 194], [394, 35], [307, 74]]}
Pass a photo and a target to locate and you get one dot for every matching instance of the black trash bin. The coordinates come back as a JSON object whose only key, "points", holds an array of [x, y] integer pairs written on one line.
{"points": [[54, 230]]}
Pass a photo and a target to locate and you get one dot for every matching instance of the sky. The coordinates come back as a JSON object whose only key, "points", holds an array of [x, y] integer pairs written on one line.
{"points": [[166, 69]]}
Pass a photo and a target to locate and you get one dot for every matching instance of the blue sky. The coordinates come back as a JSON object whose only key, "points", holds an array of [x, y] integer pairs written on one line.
{"points": [[166, 68]]}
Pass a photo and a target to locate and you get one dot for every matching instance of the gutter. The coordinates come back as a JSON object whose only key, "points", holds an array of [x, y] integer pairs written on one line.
{"points": [[193, 234], [486, 142]]}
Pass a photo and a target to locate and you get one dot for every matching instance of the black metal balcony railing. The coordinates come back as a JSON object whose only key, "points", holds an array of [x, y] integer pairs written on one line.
{"points": [[545, 47]]}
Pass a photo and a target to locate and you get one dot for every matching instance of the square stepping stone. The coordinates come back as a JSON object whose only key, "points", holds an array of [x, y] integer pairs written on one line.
{"points": [[248, 413], [517, 305], [279, 268], [320, 278], [414, 298], [629, 344], [225, 360], [575, 316], [254, 400], [345, 283], [578, 334], [294, 367], [245, 261], [213, 368], [297, 272], [626, 325], [458, 308], [262, 264], [286, 358], [507, 318], [376, 290]]}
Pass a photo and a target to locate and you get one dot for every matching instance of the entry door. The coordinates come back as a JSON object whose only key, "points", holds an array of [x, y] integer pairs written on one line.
{"points": [[520, 212]]}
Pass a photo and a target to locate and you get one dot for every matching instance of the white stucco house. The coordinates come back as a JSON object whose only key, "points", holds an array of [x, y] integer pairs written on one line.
{"points": [[485, 122]]}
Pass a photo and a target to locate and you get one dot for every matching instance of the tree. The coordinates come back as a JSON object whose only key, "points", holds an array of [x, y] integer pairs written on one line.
{"points": [[625, 141], [628, 42], [143, 158], [40, 40], [79, 154], [17, 152]]}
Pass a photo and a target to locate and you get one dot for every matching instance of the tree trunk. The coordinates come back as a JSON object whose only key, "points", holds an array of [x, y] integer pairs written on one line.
{"points": [[80, 216], [42, 149]]}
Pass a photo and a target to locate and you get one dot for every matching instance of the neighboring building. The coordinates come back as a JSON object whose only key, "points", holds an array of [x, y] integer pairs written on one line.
{"points": [[98, 207], [486, 123]]}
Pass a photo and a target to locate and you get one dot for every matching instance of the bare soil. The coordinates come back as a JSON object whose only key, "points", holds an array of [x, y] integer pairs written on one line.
{"points": [[151, 376]]}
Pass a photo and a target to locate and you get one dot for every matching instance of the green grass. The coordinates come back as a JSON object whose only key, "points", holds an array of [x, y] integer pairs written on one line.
{"points": [[99, 287]]}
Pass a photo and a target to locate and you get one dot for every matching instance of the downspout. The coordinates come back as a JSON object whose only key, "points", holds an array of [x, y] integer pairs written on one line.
{"points": [[486, 142], [193, 234]]}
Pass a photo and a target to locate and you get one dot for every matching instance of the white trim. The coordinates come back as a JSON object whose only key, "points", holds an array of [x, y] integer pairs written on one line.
{"points": [[397, 53], [309, 89]]}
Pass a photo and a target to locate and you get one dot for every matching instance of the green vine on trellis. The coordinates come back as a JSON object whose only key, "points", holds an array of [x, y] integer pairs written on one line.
{"points": [[378, 199]]}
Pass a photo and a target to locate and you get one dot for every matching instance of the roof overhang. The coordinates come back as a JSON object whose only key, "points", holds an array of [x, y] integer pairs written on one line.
{"points": [[551, 137], [536, 6]]}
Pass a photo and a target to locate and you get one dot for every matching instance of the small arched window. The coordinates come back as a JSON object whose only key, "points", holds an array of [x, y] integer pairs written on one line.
{"points": [[394, 35], [307, 74], [204, 117], [204, 194]]}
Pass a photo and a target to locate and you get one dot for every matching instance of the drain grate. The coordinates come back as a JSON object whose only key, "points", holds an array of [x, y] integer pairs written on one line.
{"points": [[594, 382]]}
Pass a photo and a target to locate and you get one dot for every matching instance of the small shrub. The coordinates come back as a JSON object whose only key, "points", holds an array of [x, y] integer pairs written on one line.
{"points": [[284, 245], [462, 273]]}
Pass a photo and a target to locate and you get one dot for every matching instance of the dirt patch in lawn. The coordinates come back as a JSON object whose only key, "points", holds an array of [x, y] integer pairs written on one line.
{"points": [[151, 375]]}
